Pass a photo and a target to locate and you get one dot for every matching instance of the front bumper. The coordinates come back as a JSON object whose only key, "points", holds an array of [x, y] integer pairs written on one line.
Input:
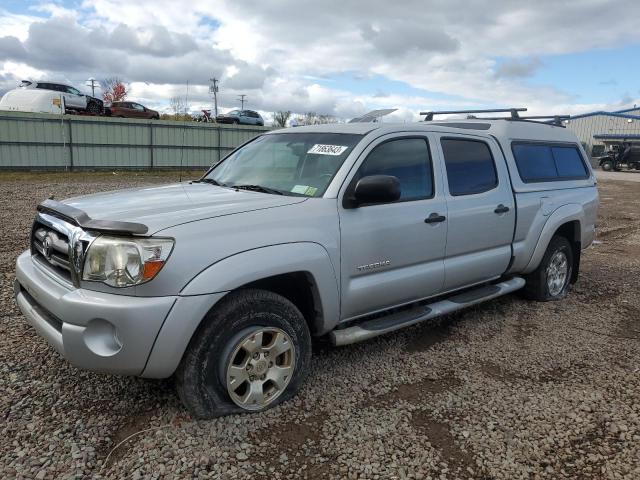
{"points": [[92, 330]]}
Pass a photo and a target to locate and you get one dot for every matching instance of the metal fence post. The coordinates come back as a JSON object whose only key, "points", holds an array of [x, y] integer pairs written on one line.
{"points": [[70, 144], [151, 144]]}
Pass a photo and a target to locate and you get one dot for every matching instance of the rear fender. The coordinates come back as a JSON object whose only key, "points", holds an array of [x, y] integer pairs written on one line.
{"points": [[564, 214]]}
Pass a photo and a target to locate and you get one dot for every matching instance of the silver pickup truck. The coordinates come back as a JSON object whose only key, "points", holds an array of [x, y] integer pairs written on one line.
{"points": [[347, 231]]}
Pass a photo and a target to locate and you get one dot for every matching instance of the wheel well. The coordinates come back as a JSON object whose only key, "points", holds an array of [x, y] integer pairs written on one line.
{"points": [[300, 289], [571, 231]]}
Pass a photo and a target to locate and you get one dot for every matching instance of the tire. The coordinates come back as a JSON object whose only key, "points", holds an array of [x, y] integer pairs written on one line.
{"points": [[607, 165], [550, 281], [206, 368], [93, 107]]}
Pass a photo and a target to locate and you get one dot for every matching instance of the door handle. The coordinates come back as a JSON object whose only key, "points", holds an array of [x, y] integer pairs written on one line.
{"points": [[435, 218], [501, 209]]}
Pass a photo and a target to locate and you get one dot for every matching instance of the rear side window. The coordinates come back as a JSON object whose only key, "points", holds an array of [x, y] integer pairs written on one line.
{"points": [[548, 162], [470, 166], [407, 159], [568, 162]]}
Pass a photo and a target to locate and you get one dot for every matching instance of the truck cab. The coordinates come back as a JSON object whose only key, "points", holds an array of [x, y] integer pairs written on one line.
{"points": [[343, 231]]}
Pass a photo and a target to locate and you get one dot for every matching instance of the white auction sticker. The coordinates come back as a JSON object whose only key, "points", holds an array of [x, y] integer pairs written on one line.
{"points": [[320, 149]]}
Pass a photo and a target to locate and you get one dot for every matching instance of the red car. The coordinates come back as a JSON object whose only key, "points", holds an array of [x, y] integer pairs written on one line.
{"points": [[132, 110]]}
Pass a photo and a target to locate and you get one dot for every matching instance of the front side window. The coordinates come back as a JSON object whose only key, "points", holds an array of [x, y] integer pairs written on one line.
{"points": [[470, 166], [408, 160], [539, 162], [72, 90], [289, 163]]}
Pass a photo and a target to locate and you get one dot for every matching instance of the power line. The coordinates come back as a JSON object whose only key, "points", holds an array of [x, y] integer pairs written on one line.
{"points": [[93, 84]]}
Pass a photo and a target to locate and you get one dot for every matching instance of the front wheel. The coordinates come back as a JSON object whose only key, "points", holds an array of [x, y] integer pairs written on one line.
{"points": [[93, 107], [607, 165], [252, 352], [551, 280]]}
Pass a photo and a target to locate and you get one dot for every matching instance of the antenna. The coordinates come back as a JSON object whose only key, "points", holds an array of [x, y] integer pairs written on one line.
{"points": [[184, 132]]}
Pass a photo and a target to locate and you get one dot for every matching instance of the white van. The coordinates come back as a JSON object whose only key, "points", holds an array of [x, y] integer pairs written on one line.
{"points": [[49, 97]]}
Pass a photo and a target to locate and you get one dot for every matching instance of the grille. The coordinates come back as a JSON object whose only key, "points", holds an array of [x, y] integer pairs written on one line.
{"points": [[51, 249]]}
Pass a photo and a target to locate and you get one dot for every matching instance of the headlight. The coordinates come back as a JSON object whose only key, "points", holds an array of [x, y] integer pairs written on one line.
{"points": [[123, 262]]}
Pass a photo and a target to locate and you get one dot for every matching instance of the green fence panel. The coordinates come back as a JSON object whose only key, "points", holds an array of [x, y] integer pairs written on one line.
{"points": [[43, 141]]}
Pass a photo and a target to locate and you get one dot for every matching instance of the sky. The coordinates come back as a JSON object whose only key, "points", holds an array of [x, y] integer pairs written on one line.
{"points": [[335, 57]]}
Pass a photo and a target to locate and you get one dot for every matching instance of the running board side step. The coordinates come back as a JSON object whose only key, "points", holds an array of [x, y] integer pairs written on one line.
{"points": [[395, 321]]}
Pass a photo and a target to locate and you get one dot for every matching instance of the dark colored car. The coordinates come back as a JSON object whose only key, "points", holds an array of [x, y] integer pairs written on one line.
{"points": [[623, 154], [244, 117], [132, 110]]}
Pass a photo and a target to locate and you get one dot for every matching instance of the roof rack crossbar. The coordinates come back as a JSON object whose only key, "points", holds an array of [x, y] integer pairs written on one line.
{"points": [[512, 111]]}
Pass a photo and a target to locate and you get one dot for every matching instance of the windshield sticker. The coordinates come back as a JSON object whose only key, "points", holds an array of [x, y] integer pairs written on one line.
{"points": [[319, 149], [305, 190]]}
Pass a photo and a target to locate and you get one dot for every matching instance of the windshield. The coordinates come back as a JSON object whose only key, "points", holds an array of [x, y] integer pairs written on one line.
{"points": [[291, 163]]}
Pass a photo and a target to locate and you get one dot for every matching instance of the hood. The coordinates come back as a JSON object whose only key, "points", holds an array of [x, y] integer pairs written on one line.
{"points": [[165, 206]]}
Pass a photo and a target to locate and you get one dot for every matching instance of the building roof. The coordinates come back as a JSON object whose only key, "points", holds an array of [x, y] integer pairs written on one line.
{"points": [[615, 136], [608, 114], [625, 110]]}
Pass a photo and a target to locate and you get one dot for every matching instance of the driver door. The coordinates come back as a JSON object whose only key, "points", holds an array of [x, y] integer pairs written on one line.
{"points": [[390, 254], [73, 98]]}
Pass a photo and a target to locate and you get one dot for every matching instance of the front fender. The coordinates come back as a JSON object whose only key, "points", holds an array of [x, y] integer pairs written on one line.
{"points": [[214, 282], [246, 267], [566, 213]]}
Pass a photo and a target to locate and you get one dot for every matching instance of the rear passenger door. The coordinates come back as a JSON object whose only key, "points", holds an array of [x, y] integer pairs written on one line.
{"points": [[481, 210]]}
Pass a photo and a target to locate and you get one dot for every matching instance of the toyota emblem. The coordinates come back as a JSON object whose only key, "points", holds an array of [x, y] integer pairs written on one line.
{"points": [[47, 245]]}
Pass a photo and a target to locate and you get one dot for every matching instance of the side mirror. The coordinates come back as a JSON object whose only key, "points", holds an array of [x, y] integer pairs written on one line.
{"points": [[375, 189]]}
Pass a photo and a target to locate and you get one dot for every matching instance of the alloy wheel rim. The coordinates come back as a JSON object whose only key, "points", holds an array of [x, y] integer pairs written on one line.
{"points": [[557, 272], [260, 367]]}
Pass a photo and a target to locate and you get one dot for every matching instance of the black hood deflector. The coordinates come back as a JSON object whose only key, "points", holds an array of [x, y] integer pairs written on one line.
{"points": [[80, 218]]}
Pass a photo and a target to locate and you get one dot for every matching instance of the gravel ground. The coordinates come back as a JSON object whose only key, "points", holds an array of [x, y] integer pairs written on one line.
{"points": [[510, 389]]}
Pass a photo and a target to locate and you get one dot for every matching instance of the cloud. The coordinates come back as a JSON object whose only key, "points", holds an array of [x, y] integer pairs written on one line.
{"points": [[400, 38], [11, 48], [515, 68], [275, 52]]}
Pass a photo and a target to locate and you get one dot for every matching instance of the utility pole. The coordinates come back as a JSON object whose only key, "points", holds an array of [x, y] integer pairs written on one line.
{"points": [[242, 101], [93, 84], [213, 88]]}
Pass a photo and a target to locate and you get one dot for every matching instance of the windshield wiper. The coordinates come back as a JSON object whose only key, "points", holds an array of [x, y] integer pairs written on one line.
{"points": [[258, 188], [211, 181]]}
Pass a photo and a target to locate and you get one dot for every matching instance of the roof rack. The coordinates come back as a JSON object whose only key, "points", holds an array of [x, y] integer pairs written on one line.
{"points": [[551, 119], [513, 111]]}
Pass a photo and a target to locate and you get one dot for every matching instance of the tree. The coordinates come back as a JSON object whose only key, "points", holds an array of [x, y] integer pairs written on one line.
{"points": [[281, 118], [177, 105], [113, 90], [312, 118]]}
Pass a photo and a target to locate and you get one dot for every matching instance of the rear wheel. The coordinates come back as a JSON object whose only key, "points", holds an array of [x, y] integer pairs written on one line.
{"points": [[551, 280], [252, 352]]}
